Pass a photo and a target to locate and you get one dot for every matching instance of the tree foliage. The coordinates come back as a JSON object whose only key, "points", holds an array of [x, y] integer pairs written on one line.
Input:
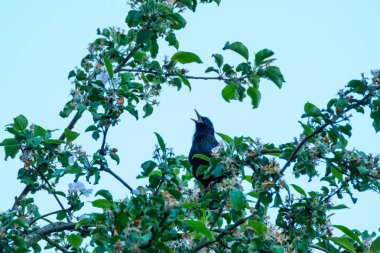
{"points": [[122, 74]]}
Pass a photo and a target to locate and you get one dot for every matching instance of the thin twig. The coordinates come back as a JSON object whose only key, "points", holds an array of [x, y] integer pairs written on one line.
{"points": [[320, 129], [48, 214], [28, 187], [212, 224], [21, 196], [108, 170], [102, 148], [221, 235], [48, 240], [271, 151], [126, 59], [168, 74], [317, 247], [332, 194], [51, 188], [72, 123]]}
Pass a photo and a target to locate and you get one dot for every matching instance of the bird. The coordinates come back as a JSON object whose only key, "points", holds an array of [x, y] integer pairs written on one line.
{"points": [[203, 143]]}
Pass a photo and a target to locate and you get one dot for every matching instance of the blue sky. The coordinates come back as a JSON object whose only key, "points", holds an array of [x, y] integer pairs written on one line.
{"points": [[320, 46]]}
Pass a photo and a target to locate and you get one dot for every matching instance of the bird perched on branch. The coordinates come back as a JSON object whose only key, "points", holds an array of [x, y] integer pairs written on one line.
{"points": [[203, 142]]}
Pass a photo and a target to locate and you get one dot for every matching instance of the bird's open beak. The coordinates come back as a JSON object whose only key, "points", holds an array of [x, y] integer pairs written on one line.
{"points": [[199, 117]]}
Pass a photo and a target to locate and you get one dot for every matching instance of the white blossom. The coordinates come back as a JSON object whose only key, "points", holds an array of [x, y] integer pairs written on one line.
{"points": [[79, 187]]}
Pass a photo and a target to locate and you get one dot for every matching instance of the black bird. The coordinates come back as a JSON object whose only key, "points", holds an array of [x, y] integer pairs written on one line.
{"points": [[203, 142]]}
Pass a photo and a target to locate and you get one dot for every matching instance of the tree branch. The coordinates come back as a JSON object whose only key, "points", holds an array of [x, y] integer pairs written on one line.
{"points": [[156, 232], [221, 235], [212, 224], [47, 230], [27, 188], [51, 242], [126, 59], [169, 74], [21, 196], [108, 170], [72, 123], [48, 214], [320, 129], [51, 188]]}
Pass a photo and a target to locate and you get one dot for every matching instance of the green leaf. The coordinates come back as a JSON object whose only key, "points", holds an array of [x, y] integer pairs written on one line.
{"points": [[211, 69], [344, 243], [70, 135], [179, 21], [83, 223], [11, 147], [105, 194], [108, 66], [148, 109], [260, 228], [375, 246], [311, 110], [218, 59], [375, 115], [200, 227], [186, 57], [255, 96], [277, 249], [20, 123], [143, 36], [139, 56], [217, 171], [172, 40], [154, 47], [229, 92], [91, 128], [349, 233], [133, 18], [337, 174], [61, 215], [274, 74], [160, 142], [217, 2], [262, 55], [203, 157], [39, 131], [115, 157], [237, 199], [239, 48], [184, 80], [299, 189], [341, 206], [75, 240], [101, 203], [54, 141], [20, 222], [148, 167], [225, 138]]}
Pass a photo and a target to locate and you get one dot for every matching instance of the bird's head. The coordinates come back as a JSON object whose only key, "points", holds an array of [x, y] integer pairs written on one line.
{"points": [[203, 124]]}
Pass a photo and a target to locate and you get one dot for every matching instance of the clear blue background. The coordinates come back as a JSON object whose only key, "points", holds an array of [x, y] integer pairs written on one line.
{"points": [[320, 46]]}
